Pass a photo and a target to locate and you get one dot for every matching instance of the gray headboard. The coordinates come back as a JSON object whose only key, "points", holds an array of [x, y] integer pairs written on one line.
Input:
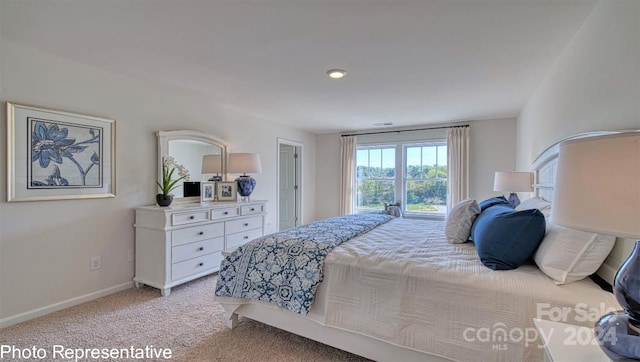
{"points": [[545, 166]]}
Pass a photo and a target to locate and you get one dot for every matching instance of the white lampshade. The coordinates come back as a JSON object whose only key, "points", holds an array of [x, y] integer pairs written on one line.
{"points": [[211, 164], [598, 185], [244, 163], [513, 181]]}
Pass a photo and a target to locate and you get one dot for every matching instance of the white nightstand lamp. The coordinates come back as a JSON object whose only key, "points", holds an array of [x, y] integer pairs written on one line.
{"points": [[245, 163], [513, 182], [598, 190]]}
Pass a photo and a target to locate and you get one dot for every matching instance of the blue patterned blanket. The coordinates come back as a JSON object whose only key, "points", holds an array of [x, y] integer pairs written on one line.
{"points": [[285, 268]]}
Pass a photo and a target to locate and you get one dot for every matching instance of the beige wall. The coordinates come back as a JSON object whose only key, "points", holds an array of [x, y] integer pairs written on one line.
{"points": [[594, 85], [492, 148], [45, 246]]}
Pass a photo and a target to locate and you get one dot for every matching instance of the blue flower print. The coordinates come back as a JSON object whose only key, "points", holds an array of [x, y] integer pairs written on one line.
{"points": [[48, 144], [53, 180]]}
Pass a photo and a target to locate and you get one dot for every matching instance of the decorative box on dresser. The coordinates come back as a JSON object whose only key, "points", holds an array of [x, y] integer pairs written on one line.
{"points": [[185, 241]]}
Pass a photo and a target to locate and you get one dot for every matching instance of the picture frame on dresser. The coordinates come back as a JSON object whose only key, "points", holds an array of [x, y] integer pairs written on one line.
{"points": [[227, 191], [54, 155], [207, 191]]}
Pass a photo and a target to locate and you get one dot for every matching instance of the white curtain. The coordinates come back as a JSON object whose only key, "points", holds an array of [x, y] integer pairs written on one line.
{"points": [[348, 154], [458, 165]]}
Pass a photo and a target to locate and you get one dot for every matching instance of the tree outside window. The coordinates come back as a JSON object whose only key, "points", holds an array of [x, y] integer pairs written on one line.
{"points": [[421, 186]]}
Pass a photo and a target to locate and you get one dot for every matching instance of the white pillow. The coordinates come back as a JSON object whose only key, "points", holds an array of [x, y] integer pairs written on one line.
{"points": [[567, 255], [458, 226], [536, 203]]}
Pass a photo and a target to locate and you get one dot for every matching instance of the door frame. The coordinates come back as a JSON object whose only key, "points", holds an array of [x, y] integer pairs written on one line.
{"points": [[299, 148]]}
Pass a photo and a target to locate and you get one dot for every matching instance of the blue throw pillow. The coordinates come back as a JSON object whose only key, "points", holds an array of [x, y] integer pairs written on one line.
{"points": [[498, 200], [506, 238]]}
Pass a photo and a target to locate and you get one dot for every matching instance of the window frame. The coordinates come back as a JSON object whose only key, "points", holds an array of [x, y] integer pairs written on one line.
{"points": [[400, 175], [395, 179], [405, 179]]}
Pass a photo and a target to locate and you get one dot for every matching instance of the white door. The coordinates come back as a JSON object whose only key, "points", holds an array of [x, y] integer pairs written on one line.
{"points": [[288, 187]]}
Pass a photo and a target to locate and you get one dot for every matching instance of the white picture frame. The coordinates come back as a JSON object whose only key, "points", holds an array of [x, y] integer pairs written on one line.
{"points": [[227, 191], [207, 191], [54, 155]]}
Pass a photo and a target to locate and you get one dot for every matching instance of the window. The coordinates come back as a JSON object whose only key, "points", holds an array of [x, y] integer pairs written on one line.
{"points": [[375, 177], [413, 174], [426, 178]]}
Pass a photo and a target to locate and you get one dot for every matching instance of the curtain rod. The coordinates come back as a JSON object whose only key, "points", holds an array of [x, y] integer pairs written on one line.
{"points": [[403, 130]]}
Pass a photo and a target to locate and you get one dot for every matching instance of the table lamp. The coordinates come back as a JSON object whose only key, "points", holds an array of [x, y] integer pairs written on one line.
{"points": [[245, 163], [212, 164], [598, 190], [513, 182]]}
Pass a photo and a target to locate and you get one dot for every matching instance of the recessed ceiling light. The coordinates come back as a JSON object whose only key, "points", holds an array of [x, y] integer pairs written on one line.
{"points": [[336, 73]]}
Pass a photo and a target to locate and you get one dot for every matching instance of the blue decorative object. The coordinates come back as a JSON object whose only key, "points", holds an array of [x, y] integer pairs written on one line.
{"points": [[514, 200], [506, 238], [619, 332], [285, 268], [246, 184]]}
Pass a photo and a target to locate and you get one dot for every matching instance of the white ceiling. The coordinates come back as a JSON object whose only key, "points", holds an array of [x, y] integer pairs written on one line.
{"points": [[408, 62]]}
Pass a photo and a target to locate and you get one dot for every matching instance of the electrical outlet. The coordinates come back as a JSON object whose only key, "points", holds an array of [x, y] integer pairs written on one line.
{"points": [[95, 263]]}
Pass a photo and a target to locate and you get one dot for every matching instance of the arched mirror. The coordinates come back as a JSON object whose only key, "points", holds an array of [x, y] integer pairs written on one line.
{"points": [[189, 149]]}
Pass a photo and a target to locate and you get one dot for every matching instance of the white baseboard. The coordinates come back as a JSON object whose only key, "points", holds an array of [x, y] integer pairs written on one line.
{"points": [[9, 321]]}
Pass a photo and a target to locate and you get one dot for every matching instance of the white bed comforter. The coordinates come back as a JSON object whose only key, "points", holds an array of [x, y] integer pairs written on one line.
{"points": [[405, 284]]}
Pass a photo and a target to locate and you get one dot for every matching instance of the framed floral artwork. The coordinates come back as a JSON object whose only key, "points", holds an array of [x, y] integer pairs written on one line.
{"points": [[54, 155], [207, 191], [227, 191]]}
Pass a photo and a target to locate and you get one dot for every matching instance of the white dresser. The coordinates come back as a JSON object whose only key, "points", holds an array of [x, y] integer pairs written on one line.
{"points": [[185, 241]]}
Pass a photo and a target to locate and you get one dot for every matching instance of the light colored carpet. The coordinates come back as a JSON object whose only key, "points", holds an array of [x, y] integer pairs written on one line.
{"points": [[188, 321]]}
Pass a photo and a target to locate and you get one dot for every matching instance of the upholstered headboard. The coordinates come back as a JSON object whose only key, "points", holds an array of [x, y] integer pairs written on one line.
{"points": [[545, 166]]}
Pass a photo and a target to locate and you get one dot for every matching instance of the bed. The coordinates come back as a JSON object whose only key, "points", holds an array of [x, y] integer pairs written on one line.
{"points": [[400, 291]]}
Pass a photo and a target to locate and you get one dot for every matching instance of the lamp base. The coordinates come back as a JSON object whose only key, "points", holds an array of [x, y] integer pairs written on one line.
{"points": [[619, 339], [619, 332], [514, 200], [246, 184]]}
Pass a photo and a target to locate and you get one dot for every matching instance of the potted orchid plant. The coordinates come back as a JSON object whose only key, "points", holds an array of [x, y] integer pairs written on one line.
{"points": [[168, 184]]}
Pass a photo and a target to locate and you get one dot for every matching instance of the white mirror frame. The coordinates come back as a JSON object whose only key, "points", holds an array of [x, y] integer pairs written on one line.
{"points": [[163, 149]]}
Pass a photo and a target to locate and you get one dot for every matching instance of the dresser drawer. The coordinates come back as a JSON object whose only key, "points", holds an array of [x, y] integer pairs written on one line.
{"points": [[194, 250], [224, 213], [196, 233], [196, 265], [234, 226], [189, 218], [241, 238], [251, 209]]}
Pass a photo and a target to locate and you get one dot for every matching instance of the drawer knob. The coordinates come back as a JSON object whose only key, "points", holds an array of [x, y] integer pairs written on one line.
{"points": [[226, 213], [201, 264], [192, 217], [246, 237], [253, 209], [201, 248], [201, 233], [246, 224]]}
